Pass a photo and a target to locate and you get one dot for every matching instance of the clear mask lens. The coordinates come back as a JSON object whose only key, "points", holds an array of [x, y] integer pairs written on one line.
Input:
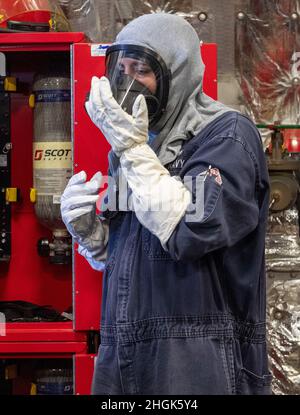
{"points": [[133, 73]]}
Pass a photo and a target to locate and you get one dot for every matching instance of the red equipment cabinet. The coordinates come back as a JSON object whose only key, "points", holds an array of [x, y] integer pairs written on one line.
{"points": [[27, 276]]}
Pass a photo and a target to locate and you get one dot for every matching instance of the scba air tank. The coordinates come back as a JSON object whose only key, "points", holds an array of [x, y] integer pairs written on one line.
{"points": [[52, 151]]}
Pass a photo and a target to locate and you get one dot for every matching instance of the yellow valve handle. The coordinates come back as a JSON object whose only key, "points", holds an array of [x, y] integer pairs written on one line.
{"points": [[32, 195], [33, 389], [31, 101]]}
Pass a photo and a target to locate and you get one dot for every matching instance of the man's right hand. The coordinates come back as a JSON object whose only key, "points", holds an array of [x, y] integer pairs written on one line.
{"points": [[78, 210], [78, 205]]}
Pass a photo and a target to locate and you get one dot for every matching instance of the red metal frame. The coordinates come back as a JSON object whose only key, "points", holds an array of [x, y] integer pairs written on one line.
{"points": [[34, 348], [210, 78], [90, 154], [31, 332], [27, 276], [52, 41], [84, 364]]}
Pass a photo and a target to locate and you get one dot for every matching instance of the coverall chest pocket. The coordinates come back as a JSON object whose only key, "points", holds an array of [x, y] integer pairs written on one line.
{"points": [[152, 247]]}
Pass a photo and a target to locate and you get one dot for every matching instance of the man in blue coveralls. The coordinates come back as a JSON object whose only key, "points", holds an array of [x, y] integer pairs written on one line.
{"points": [[183, 307]]}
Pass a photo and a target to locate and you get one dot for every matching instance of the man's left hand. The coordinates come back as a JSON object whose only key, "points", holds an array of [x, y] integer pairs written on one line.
{"points": [[121, 130]]}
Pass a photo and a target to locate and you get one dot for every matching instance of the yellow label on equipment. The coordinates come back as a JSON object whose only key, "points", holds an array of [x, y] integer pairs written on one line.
{"points": [[11, 194], [10, 84], [52, 155]]}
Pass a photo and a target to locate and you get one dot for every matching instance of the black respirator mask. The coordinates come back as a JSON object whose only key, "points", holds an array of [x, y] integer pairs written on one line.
{"points": [[133, 70], [126, 90]]}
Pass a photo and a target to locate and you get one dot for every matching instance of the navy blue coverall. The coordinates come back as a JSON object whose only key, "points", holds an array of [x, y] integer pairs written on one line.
{"points": [[191, 319]]}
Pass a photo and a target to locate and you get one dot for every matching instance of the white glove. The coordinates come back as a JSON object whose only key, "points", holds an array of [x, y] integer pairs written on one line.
{"points": [[78, 211], [119, 128], [159, 200], [96, 264]]}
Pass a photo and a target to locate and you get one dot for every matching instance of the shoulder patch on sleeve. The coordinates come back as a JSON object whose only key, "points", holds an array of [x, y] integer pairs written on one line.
{"points": [[213, 172], [216, 173]]}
